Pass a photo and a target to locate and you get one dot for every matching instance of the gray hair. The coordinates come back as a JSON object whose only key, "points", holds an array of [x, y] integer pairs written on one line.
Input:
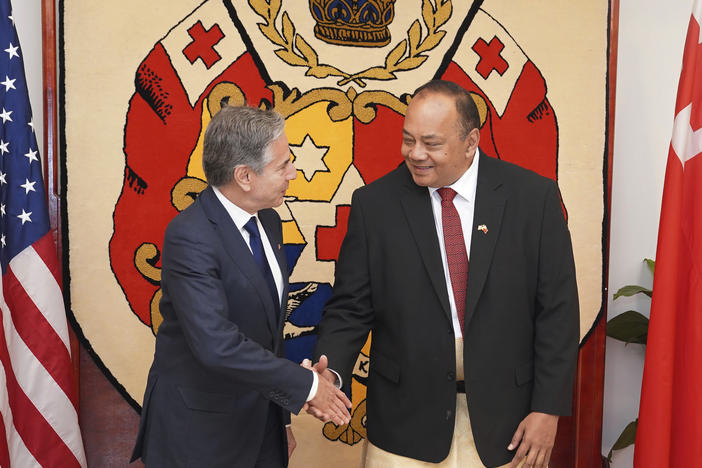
{"points": [[239, 136]]}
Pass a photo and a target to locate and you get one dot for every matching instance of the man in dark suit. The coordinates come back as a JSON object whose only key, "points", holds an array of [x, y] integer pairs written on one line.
{"points": [[219, 392], [461, 265]]}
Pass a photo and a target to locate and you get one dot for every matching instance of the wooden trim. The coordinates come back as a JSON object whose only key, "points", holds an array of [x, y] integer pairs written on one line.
{"points": [[591, 362], [50, 149], [579, 439], [50, 113]]}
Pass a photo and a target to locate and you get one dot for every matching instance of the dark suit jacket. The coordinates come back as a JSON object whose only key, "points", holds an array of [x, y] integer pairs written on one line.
{"points": [[218, 360], [521, 329]]}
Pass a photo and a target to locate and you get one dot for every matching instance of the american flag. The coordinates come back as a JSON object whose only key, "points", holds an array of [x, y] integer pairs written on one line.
{"points": [[37, 402]]}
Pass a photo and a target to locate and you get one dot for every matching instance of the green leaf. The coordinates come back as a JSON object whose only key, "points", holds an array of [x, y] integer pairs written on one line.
{"points": [[627, 437], [651, 265], [629, 327], [632, 290]]}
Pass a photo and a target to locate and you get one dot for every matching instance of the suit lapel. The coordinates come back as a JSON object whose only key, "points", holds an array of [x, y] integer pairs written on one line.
{"points": [[489, 205], [239, 252], [420, 217]]}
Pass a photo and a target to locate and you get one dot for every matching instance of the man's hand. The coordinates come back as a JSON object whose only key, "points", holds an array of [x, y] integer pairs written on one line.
{"points": [[291, 441], [534, 439], [321, 368], [329, 403]]}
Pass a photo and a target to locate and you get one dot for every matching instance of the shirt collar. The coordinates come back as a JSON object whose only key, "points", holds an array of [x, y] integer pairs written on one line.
{"points": [[238, 215], [466, 184]]}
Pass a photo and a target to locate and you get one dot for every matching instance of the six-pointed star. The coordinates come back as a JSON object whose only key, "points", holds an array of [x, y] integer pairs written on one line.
{"points": [[309, 158]]}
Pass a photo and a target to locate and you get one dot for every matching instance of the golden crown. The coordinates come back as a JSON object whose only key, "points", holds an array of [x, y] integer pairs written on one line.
{"points": [[353, 22]]}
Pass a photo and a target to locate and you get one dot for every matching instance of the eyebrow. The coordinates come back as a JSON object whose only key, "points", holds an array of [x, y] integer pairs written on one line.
{"points": [[432, 136]]}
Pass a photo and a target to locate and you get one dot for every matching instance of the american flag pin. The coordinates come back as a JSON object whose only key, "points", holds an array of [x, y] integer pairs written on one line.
{"points": [[483, 228]]}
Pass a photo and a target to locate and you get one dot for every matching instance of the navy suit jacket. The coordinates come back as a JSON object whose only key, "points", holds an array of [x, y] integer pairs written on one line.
{"points": [[219, 350]]}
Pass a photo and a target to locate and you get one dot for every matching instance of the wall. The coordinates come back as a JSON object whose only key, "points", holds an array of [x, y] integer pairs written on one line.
{"points": [[649, 57], [27, 15], [651, 38]]}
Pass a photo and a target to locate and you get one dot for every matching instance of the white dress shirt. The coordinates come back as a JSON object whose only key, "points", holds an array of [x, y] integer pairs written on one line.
{"points": [[240, 218], [464, 202]]}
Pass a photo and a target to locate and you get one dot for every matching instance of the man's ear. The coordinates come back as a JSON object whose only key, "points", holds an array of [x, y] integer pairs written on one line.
{"points": [[473, 139], [243, 177]]}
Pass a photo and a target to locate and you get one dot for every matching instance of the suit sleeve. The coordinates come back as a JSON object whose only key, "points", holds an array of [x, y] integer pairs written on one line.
{"points": [[557, 319], [348, 315], [191, 278]]}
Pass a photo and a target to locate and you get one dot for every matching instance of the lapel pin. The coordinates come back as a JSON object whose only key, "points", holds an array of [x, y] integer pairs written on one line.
{"points": [[483, 228], [278, 246]]}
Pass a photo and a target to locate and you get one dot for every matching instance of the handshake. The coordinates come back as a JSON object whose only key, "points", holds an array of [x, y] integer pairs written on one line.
{"points": [[329, 403]]}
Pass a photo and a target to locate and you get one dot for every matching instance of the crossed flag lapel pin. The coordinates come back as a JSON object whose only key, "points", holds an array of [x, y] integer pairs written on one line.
{"points": [[483, 228]]}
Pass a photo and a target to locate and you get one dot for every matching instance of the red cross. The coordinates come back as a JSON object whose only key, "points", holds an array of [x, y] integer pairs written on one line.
{"points": [[490, 58], [202, 46], [329, 238]]}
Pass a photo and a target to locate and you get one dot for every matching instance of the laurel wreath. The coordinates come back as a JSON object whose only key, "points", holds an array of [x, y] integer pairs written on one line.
{"points": [[408, 54]]}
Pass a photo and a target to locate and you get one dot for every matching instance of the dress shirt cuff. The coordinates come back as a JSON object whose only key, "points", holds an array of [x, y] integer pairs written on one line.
{"points": [[338, 381], [315, 384]]}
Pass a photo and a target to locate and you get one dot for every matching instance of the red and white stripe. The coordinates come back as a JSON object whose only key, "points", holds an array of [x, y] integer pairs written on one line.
{"points": [[37, 400]]}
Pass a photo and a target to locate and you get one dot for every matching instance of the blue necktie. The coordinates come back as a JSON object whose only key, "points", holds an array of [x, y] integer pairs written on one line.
{"points": [[260, 257]]}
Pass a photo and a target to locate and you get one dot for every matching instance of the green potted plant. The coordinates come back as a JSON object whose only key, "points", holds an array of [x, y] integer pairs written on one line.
{"points": [[629, 327]]}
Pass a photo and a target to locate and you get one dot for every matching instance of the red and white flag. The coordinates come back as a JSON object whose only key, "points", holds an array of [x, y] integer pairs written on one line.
{"points": [[38, 416], [669, 433]]}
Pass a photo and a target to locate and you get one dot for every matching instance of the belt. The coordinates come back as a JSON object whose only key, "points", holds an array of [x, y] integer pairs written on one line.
{"points": [[460, 386]]}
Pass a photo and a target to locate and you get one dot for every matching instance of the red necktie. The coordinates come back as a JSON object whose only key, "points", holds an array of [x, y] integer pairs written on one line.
{"points": [[455, 251]]}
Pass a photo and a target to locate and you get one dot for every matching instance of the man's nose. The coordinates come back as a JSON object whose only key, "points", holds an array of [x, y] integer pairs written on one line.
{"points": [[292, 172], [416, 153]]}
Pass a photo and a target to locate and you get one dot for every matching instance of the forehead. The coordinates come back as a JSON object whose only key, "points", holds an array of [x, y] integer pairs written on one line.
{"points": [[429, 112], [280, 148]]}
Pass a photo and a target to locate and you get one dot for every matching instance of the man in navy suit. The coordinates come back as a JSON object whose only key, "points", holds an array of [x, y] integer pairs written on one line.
{"points": [[462, 268], [220, 392]]}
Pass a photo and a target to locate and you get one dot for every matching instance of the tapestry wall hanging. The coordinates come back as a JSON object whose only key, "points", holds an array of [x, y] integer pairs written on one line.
{"points": [[143, 79]]}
